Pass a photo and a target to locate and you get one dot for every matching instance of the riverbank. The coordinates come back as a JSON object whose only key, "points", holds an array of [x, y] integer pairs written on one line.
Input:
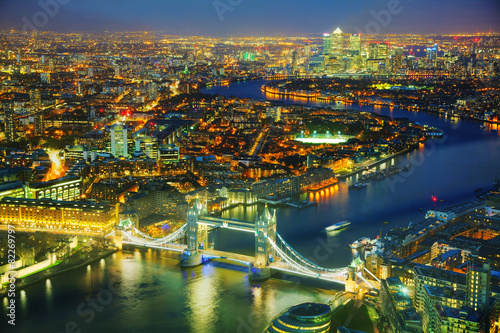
{"points": [[374, 163], [282, 92], [62, 268]]}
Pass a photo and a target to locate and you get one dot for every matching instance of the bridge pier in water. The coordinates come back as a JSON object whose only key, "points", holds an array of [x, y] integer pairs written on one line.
{"points": [[265, 228], [191, 257], [271, 250], [118, 239], [197, 241]]}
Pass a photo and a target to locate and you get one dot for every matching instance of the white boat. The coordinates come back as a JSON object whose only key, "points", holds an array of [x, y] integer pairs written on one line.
{"points": [[363, 241], [338, 226]]}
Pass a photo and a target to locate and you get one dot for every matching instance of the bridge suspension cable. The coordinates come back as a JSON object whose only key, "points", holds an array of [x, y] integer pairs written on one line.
{"points": [[303, 269], [305, 261], [156, 241]]}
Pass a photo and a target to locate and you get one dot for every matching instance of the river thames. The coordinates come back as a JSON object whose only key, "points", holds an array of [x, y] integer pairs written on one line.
{"points": [[148, 292]]}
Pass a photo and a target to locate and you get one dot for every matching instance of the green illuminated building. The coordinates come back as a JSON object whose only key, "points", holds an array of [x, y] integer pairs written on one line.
{"points": [[305, 317]]}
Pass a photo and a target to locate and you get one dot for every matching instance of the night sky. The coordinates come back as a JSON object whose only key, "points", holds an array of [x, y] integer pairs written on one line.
{"points": [[255, 17]]}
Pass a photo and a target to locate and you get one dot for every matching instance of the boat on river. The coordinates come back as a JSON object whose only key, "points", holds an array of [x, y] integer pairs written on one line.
{"points": [[338, 226]]}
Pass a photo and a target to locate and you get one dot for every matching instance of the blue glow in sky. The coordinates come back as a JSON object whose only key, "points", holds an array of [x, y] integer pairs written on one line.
{"points": [[256, 17]]}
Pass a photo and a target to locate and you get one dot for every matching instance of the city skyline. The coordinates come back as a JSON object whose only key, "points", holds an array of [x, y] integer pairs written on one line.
{"points": [[240, 166], [225, 18]]}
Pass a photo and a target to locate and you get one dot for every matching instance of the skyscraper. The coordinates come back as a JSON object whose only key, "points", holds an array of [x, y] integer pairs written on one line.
{"points": [[119, 140], [478, 286], [327, 44], [373, 51], [397, 59], [383, 50], [337, 43], [10, 125], [39, 123], [35, 99], [355, 45], [431, 53], [294, 60], [148, 145]]}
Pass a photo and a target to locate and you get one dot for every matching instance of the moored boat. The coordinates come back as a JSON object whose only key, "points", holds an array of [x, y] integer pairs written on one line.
{"points": [[363, 241]]}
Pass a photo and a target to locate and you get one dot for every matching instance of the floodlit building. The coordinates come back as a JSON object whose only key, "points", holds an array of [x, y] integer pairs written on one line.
{"points": [[327, 44], [66, 188], [119, 140], [57, 216], [305, 317], [337, 43]]}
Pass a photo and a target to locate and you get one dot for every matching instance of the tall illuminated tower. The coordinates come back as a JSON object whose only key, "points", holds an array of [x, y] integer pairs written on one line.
{"points": [[355, 45], [337, 43], [10, 125], [119, 140], [39, 123], [327, 44], [35, 98], [373, 51], [383, 50]]}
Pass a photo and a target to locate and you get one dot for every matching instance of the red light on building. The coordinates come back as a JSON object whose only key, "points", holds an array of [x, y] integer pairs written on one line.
{"points": [[434, 198]]}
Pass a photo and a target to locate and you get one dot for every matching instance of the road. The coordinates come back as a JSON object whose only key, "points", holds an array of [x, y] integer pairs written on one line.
{"points": [[259, 142]]}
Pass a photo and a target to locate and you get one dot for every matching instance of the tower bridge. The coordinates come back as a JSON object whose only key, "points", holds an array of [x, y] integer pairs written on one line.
{"points": [[272, 252]]}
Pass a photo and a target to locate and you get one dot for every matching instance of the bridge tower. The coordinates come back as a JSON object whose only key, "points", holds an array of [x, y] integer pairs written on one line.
{"points": [[118, 239], [265, 227], [195, 233], [351, 284]]}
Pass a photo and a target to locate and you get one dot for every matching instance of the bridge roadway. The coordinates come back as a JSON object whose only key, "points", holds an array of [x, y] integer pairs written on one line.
{"points": [[288, 268], [216, 254], [227, 223], [168, 246]]}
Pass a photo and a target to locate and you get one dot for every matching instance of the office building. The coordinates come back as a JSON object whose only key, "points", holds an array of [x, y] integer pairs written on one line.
{"points": [[39, 123], [10, 120], [12, 189], [397, 59], [383, 51], [119, 137], [327, 44], [337, 44], [68, 217], [36, 99], [169, 154], [148, 145], [373, 51], [432, 53], [66, 188], [306, 317], [355, 45]]}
